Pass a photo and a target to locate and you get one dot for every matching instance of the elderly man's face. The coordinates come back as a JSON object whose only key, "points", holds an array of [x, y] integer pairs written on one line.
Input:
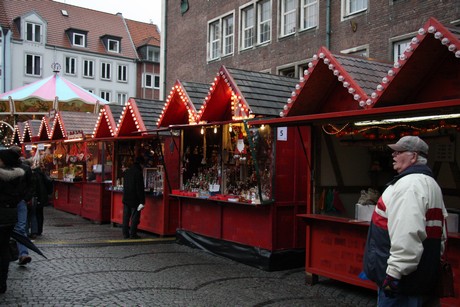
{"points": [[403, 159]]}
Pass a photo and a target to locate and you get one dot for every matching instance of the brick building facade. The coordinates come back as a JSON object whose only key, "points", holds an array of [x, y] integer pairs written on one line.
{"points": [[370, 28]]}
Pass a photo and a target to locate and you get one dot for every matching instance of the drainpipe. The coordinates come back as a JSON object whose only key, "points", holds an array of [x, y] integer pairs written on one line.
{"points": [[328, 24], [163, 33]]}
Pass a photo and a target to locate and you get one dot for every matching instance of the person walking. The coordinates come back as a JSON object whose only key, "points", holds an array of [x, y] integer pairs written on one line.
{"points": [[407, 232], [133, 198], [11, 177], [28, 191]]}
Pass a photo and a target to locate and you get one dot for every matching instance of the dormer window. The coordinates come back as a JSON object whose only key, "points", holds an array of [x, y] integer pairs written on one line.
{"points": [[150, 53], [77, 37], [112, 43], [79, 40], [33, 32]]}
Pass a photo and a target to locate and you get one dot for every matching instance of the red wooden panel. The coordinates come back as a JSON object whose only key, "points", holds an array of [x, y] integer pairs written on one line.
{"points": [[95, 202], [453, 255], [61, 194], [117, 208], [75, 198], [152, 217], [201, 216], [335, 250], [248, 225]]}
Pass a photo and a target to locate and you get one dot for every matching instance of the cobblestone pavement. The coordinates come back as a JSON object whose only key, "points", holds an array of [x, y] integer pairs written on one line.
{"points": [[89, 265]]}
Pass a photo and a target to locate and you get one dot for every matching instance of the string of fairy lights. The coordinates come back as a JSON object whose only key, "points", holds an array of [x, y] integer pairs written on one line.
{"points": [[385, 132]]}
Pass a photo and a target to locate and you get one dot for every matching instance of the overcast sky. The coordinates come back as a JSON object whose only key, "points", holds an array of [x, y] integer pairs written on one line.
{"points": [[140, 10]]}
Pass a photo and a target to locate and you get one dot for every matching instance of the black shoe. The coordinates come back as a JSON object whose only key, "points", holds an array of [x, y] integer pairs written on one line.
{"points": [[23, 260], [135, 236]]}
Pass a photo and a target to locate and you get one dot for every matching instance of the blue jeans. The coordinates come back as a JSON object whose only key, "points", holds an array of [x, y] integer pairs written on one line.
{"points": [[21, 226], [406, 301]]}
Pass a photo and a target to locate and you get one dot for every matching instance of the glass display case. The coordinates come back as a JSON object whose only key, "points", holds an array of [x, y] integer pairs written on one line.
{"points": [[151, 151], [231, 162]]}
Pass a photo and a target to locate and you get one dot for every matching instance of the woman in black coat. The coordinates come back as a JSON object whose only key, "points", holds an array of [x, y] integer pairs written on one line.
{"points": [[11, 177], [43, 187]]}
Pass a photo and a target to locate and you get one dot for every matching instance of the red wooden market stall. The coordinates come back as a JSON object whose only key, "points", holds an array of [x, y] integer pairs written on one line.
{"points": [[240, 188], [136, 135], [76, 158], [350, 130]]}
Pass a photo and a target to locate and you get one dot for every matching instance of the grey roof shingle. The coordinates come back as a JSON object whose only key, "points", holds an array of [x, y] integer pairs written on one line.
{"points": [[150, 111], [265, 94], [197, 92]]}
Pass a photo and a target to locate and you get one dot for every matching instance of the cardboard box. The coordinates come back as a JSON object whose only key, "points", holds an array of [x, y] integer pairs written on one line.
{"points": [[364, 212]]}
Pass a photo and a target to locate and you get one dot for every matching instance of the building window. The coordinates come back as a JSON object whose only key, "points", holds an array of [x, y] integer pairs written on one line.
{"points": [[70, 65], [113, 45], [309, 14], [79, 40], [105, 95], [264, 21], [288, 17], [153, 54], [33, 32], [287, 72], [247, 27], [228, 35], [106, 71], [151, 81], [33, 65], [122, 74], [399, 48], [122, 98], [350, 7], [90, 90], [88, 68], [362, 51], [220, 37]]}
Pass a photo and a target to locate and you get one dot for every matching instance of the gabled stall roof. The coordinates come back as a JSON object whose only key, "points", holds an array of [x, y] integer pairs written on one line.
{"points": [[31, 130], [427, 71], [68, 123], [138, 117], [18, 133], [180, 106], [335, 83], [46, 129], [238, 94], [106, 124]]}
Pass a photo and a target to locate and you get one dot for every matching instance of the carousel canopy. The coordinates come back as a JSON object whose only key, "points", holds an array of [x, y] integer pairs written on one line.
{"points": [[52, 92]]}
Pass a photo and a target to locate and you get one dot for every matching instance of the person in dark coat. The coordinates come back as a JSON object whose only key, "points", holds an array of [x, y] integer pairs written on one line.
{"points": [[133, 198], [28, 190], [43, 187], [11, 178]]}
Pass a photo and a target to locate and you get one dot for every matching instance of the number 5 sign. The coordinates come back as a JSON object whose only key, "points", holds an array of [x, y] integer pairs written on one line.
{"points": [[282, 134]]}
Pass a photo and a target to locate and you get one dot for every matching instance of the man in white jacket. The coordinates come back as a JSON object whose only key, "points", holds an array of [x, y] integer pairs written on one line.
{"points": [[407, 232]]}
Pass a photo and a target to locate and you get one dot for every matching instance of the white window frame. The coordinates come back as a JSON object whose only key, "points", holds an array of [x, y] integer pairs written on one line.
{"points": [[152, 54], [355, 50], [220, 41], [264, 23], [106, 95], [106, 71], [113, 45], [82, 37], [228, 35], [248, 27], [122, 76], [147, 80], [88, 66], [33, 66], [285, 15], [122, 98], [34, 28], [399, 47], [348, 10], [70, 65], [309, 14]]}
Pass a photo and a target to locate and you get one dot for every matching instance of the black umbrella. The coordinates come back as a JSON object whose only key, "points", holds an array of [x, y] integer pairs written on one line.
{"points": [[24, 240]]}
